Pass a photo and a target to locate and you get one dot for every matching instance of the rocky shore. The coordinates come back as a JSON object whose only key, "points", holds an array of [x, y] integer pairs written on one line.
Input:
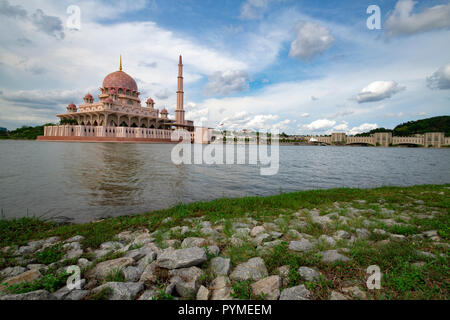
{"points": [[302, 254]]}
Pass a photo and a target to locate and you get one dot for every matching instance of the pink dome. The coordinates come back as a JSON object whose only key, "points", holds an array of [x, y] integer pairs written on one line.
{"points": [[150, 100], [88, 96], [164, 110], [71, 106], [120, 79]]}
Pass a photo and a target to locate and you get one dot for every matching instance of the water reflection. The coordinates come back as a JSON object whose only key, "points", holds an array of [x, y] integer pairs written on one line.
{"points": [[112, 174], [84, 182]]}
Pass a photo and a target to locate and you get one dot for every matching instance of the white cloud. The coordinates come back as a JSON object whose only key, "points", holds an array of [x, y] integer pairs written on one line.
{"points": [[312, 39], [305, 115], [254, 9], [341, 127], [320, 124], [440, 79], [365, 127], [227, 82], [378, 90], [394, 115], [403, 22]]}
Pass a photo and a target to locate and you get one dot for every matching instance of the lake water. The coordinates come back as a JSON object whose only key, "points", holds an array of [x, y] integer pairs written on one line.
{"points": [[80, 182]]}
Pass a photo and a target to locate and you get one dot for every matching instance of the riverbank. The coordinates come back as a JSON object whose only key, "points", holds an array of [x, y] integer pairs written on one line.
{"points": [[303, 245]]}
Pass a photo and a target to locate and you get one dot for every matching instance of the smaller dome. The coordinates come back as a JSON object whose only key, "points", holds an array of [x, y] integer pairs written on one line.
{"points": [[150, 100], [164, 111], [88, 96], [71, 106]]}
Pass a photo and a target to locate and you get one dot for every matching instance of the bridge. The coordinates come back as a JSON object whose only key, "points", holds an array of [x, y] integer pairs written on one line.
{"points": [[385, 139]]}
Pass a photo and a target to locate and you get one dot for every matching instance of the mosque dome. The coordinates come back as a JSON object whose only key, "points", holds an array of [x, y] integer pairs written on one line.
{"points": [[120, 79], [88, 96], [164, 111], [150, 100], [72, 106]]}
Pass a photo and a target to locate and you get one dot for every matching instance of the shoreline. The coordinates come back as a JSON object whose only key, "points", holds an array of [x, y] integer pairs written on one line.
{"points": [[316, 244]]}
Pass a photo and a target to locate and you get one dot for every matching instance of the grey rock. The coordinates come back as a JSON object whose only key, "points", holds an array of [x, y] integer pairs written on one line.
{"points": [[252, 269], [308, 274], [140, 253], [342, 235], [337, 296], [150, 294], [214, 250], [149, 275], [63, 292], [12, 271], [103, 269], [323, 221], [363, 233], [202, 293], [295, 293], [131, 273], [260, 238], [83, 263], [275, 235], [331, 256], [301, 245], [193, 242], [283, 272], [111, 245], [182, 258], [209, 232], [426, 254], [221, 288], [379, 232], [39, 267], [35, 295], [121, 290], [187, 280], [75, 239], [72, 246], [170, 288], [242, 232], [220, 266], [77, 295], [257, 230], [356, 292], [73, 254], [328, 240], [268, 287], [236, 242]]}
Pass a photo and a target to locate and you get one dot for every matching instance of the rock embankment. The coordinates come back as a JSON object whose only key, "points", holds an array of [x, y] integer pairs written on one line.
{"points": [[205, 260]]}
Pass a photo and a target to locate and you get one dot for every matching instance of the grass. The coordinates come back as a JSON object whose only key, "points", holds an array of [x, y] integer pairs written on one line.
{"points": [[20, 231], [115, 276], [50, 255], [49, 282]]}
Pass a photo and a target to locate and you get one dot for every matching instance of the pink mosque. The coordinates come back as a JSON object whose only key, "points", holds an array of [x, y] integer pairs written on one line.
{"points": [[118, 116]]}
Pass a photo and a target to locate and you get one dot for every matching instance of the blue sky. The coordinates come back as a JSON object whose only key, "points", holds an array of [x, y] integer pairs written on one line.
{"points": [[298, 66]]}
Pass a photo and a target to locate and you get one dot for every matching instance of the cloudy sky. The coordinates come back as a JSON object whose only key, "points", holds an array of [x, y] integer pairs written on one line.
{"points": [[296, 65]]}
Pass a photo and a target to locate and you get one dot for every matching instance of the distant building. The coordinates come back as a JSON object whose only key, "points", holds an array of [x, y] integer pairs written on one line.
{"points": [[3, 130]]}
